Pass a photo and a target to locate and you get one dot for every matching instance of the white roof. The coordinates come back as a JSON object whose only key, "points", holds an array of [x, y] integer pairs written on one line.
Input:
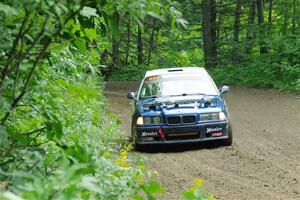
{"points": [[177, 70]]}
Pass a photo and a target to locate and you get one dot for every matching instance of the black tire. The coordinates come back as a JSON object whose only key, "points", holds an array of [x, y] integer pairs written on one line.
{"points": [[138, 147], [229, 140]]}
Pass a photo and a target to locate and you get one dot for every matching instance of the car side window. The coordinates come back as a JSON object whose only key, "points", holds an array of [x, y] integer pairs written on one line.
{"points": [[146, 91], [150, 89]]}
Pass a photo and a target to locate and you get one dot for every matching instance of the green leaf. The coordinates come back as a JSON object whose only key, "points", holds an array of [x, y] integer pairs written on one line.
{"points": [[153, 188], [89, 12], [75, 28], [9, 195], [137, 197], [8, 10], [58, 127], [90, 183], [90, 33], [189, 196], [80, 44], [3, 135], [154, 15], [182, 22]]}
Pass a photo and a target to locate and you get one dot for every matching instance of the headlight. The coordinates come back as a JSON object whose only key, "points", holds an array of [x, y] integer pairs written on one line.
{"points": [[140, 121], [212, 116], [222, 116], [152, 120]]}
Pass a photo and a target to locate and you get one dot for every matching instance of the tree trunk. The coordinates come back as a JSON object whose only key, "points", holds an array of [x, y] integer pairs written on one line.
{"points": [[128, 41], [262, 28], [219, 22], [285, 24], [237, 22], [236, 30], [209, 33], [294, 17], [251, 29], [270, 17], [140, 47], [214, 27], [151, 44], [115, 45]]}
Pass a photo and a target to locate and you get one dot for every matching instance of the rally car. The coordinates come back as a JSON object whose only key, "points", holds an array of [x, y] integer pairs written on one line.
{"points": [[179, 105]]}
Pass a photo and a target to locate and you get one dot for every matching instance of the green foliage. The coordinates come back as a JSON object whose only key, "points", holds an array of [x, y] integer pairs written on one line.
{"points": [[196, 192], [166, 45], [57, 140], [278, 69], [74, 152], [131, 73]]}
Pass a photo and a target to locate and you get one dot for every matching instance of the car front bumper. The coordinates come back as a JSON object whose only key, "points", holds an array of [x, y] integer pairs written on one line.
{"points": [[181, 133]]}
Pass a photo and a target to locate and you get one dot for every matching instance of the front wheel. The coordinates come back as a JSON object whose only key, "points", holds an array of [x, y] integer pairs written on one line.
{"points": [[228, 141], [137, 147]]}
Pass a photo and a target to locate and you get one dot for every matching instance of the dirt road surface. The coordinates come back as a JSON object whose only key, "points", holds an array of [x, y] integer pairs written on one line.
{"points": [[263, 163]]}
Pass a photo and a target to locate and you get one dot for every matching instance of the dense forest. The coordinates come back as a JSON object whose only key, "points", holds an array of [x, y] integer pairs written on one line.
{"points": [[253, 42], [57, 139]]}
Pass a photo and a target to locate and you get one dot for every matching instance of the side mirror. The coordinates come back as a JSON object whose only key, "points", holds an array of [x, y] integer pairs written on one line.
{"points": [[224, 89], [131, 95]]}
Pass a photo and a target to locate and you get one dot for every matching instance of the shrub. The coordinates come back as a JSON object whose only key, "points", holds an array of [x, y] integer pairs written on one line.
{"points": [[62, 143]]}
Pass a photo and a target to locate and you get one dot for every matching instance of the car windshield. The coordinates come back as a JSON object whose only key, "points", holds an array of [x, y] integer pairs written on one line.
{"points": [[177, 85]]}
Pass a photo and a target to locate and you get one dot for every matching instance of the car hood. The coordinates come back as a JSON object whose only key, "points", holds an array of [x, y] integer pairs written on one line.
{"points": [[181, 105]]}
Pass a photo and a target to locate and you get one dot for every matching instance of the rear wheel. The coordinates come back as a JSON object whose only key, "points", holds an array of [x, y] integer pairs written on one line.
{"points": [[228, 141]]}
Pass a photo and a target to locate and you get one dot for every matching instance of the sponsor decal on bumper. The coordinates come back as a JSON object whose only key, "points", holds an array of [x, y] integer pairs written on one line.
{"points": [[182, 134], [215, 129], [148, 133]]}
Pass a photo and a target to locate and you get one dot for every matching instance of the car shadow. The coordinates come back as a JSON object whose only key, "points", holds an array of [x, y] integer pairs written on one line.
{"points": [[176, 148]]}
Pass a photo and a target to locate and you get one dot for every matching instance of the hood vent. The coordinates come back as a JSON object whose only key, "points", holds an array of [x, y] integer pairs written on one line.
{"points": [[148, 107], [175, 70], [208, 103]]}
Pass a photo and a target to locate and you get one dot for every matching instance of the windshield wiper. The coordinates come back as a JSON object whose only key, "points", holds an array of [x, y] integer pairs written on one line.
{"points": [[174, 95], [186, 94], [150, 97], [189, 94]]}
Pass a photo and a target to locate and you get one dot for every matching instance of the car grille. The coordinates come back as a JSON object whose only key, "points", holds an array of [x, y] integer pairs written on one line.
{"points": [[188, 119], [183, 136], [177, 120], [173, 120]]}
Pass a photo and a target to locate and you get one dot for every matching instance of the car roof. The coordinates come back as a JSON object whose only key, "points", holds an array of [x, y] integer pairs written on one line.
{"points": [[177, 70]]}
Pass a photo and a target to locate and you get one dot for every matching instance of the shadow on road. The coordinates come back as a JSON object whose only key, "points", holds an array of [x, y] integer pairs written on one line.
{"points": [[173, 148]]}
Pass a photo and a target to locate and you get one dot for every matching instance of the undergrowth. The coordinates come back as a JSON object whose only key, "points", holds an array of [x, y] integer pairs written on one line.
{"points": [[61, 143]]}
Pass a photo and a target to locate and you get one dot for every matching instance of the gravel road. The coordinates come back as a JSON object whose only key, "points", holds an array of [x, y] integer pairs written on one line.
{"points": [[263, 163]]}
